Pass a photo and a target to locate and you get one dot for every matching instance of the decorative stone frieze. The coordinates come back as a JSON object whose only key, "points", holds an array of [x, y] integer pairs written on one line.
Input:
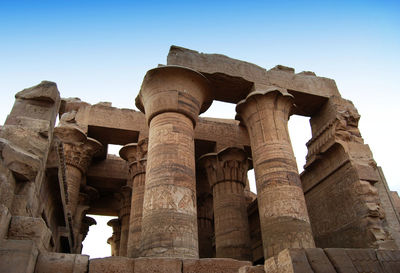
{"points": [[227, 175], [171, 98], [283, 213]]}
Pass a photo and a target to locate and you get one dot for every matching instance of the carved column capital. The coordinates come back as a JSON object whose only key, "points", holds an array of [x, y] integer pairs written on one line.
{"points": [[174, 89], [78, 148], [136, 156], [230, 164]]}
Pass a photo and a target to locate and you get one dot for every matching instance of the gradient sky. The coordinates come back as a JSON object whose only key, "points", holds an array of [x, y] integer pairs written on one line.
{"points": [[101, 50]]}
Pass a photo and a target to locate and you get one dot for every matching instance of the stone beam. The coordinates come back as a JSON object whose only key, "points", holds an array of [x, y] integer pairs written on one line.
{"points": [[232, 80], [122, 126]]}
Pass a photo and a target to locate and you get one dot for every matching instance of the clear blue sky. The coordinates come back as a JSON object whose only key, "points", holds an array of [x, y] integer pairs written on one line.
{"points": [[100, 50]]}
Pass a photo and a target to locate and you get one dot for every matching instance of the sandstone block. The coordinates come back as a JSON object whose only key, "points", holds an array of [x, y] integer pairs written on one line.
{"points": [[157, 265], [340, 260], [5, 218], [389, 259], [44, 91], [364, 260], [61, 263], [30, 228], [318, 261], [112, 264], [288, 261], [213, 266], [17, 256], [24, 165]]}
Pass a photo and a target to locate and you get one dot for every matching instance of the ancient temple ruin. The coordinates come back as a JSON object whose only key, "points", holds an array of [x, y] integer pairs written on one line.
{"points": [[179, 190]]}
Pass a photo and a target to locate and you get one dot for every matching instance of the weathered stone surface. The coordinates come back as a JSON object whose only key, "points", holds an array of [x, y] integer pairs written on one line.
{"points": [[157, 265], [61, 263], [218, 265], [112, 264], [18, 256], [29, 228]]}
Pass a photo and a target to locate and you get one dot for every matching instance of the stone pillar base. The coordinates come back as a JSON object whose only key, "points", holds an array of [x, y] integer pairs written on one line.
{"points": [[61, 263]]}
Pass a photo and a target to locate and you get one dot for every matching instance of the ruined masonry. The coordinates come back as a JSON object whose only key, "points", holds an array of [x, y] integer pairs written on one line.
{"points": [[179, 190]]}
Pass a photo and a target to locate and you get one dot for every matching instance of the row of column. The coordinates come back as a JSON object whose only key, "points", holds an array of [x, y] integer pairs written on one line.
{"points": [[163, 221], [172, 98]]}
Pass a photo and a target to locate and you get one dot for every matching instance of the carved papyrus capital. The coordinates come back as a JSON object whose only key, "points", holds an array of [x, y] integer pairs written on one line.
{"points": [[230, 164]]}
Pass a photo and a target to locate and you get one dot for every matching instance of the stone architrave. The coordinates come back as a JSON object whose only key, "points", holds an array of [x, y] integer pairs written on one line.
{"points": [[136, 155], [116, 236], [227, 175], [283, 213], [171, 98], [123, 215], [79, 151]]}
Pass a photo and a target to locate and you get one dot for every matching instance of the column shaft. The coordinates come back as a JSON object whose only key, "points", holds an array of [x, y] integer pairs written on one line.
{"points": [[169, 210], [232, 236], [74, 177], [135, 222]]}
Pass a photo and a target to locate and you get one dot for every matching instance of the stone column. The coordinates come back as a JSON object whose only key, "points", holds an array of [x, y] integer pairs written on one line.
{"points": [[227, 174], [124, 218], [283, 214], [172, 98], [116, 236], [204, 215], [136, 155], [78, 150]]}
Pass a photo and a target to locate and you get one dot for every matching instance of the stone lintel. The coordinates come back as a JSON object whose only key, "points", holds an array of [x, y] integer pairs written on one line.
{"points": [[232, 79], [122, 126]]}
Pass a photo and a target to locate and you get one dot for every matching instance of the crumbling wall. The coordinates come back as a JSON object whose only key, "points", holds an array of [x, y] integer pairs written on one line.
{"points": [[343, 203]]}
